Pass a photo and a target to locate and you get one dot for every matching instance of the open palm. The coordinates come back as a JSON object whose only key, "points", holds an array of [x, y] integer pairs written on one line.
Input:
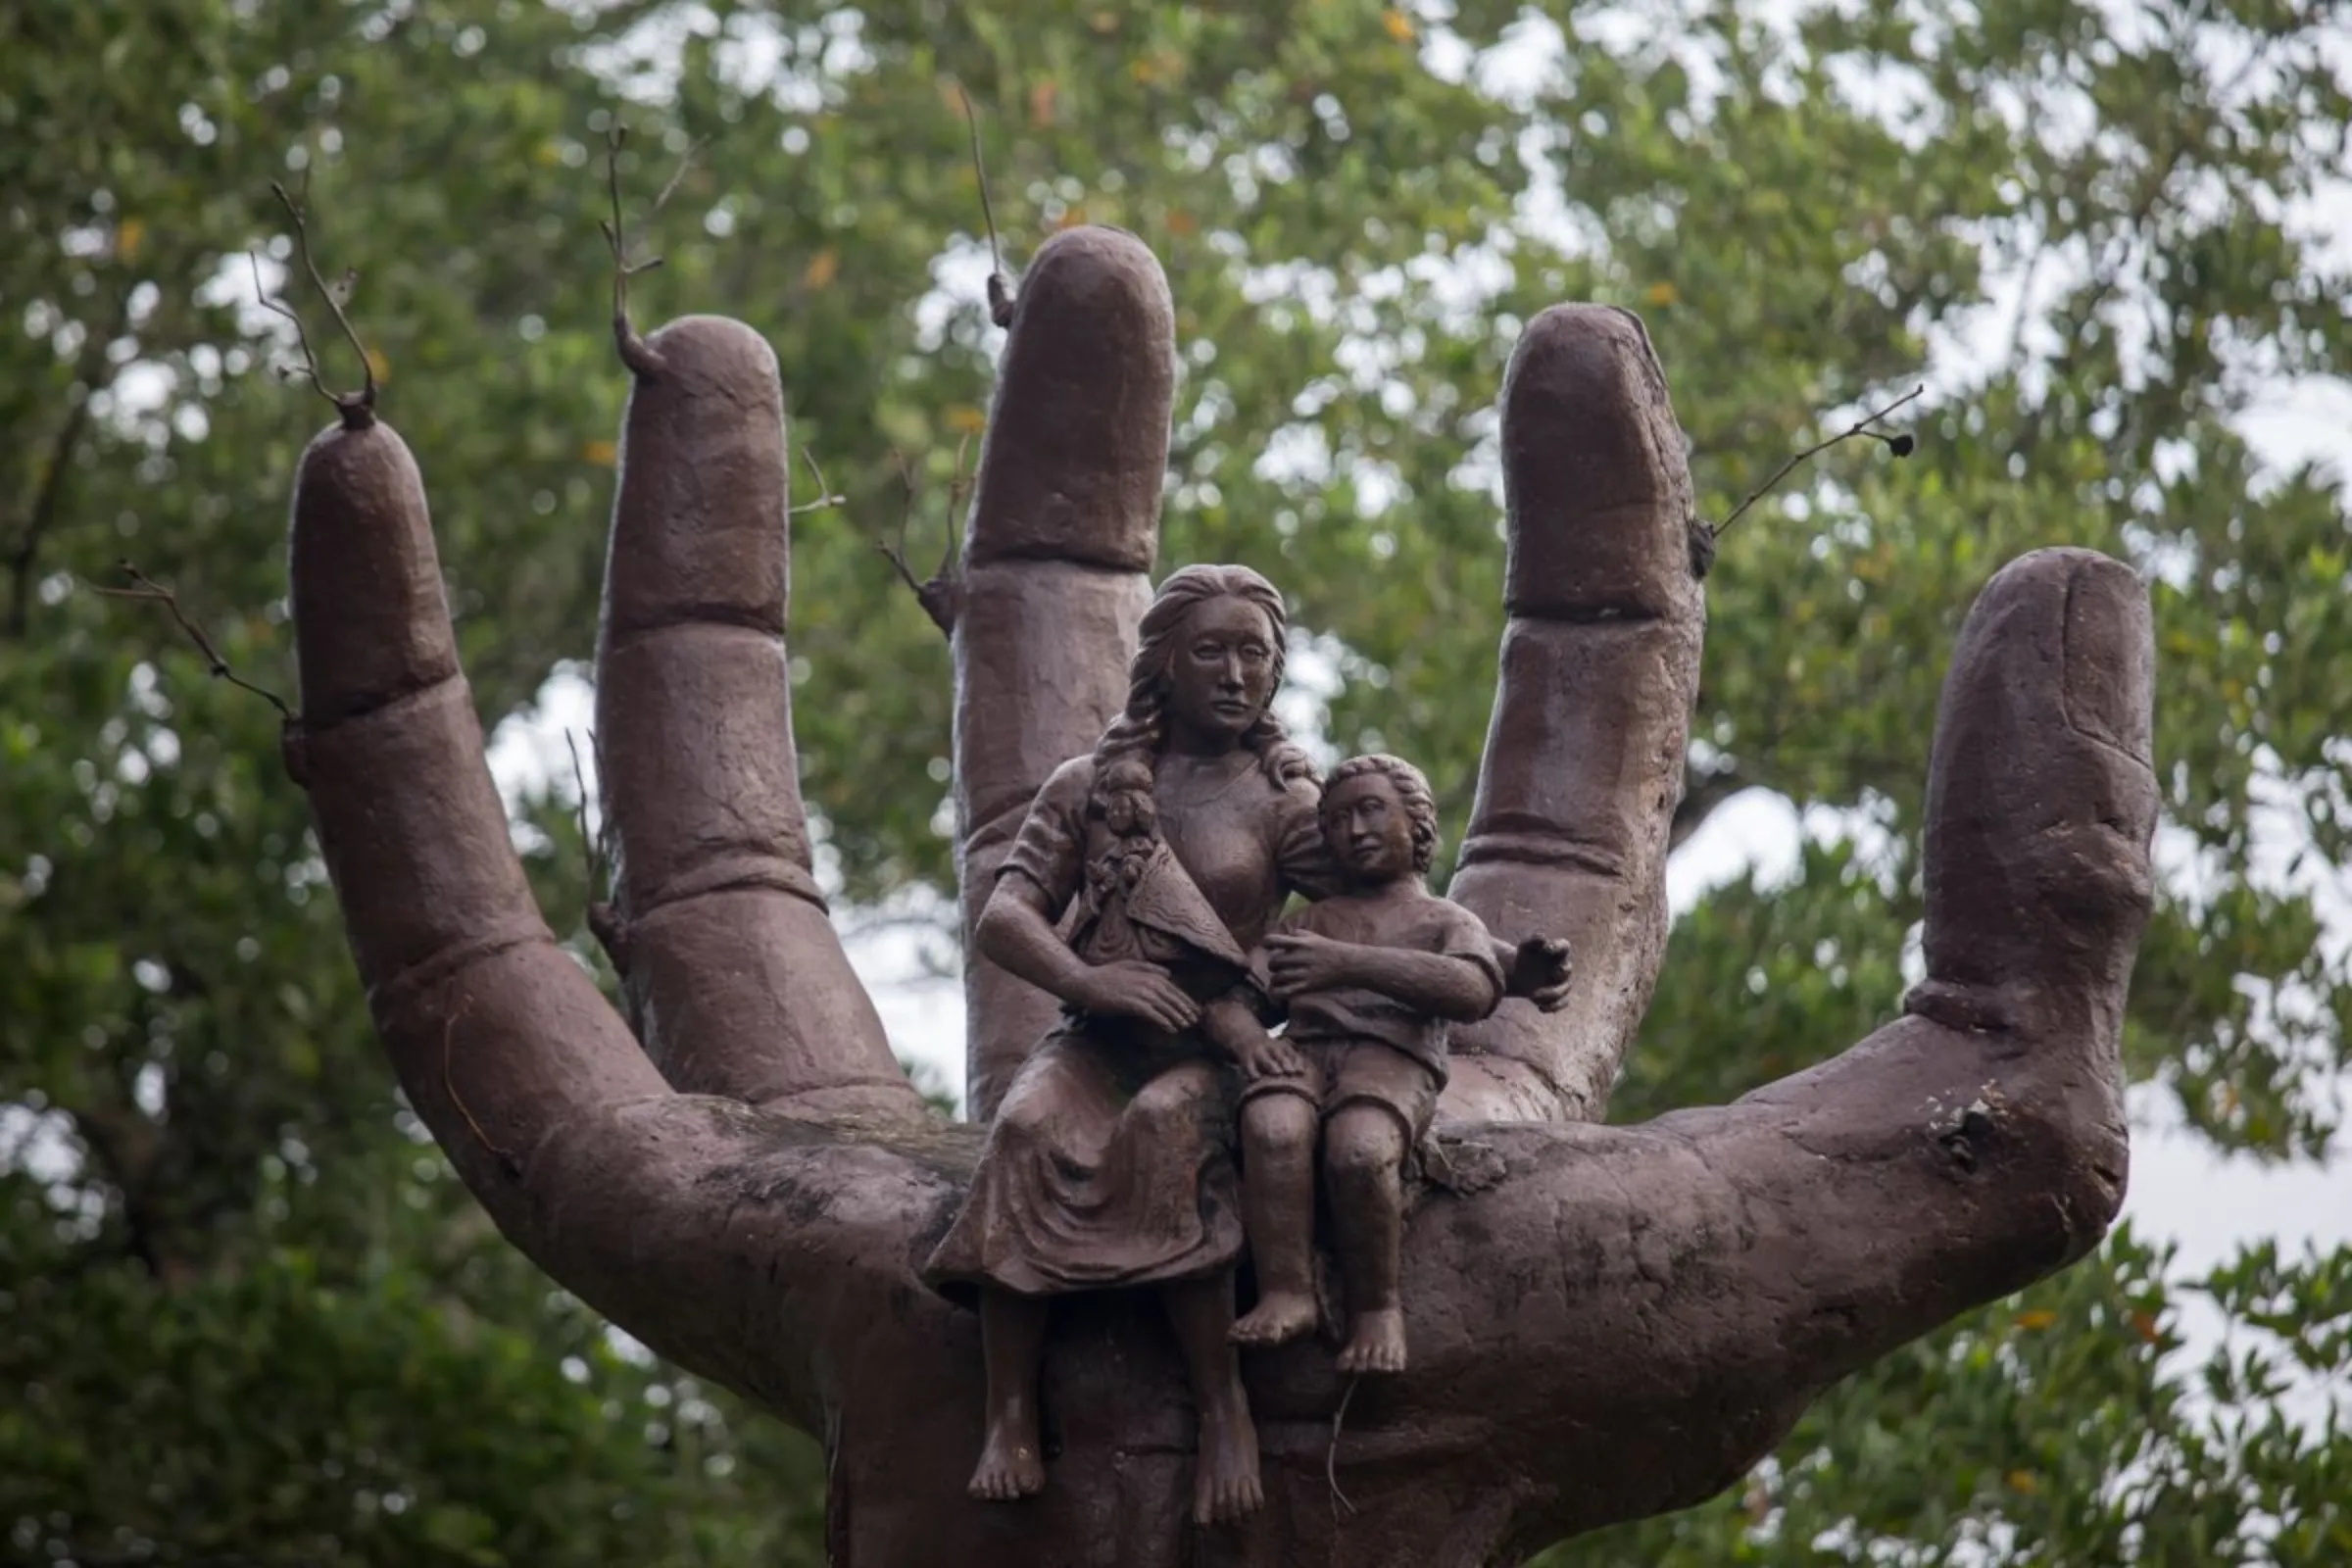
{"points": [[745, 1180]]}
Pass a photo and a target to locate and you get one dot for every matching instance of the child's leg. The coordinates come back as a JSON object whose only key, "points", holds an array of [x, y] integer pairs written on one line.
{"points": [[1278, 1212], [1363, 1162]]}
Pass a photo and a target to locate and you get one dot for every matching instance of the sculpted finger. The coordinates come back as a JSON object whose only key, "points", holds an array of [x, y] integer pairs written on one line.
{"points": [[735, 977], [499, 1039], [1598, 670], [634, 1198], [2042, 801], [1063, 528]]}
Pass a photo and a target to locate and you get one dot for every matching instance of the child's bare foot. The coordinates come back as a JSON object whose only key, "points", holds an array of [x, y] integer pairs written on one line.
{"points": [[1225, 1483], [1375, 1342], [1012, 1466], [1279, 1317]]}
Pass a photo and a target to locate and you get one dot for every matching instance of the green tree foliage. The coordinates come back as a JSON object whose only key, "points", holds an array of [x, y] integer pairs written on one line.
{"points": [[244, 1313]]}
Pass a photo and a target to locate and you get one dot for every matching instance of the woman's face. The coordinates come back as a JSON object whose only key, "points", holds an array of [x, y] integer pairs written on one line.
{"points": [[1221, 676]]}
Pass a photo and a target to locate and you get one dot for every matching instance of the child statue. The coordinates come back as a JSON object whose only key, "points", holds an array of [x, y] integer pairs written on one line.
{"points": [[1369, 978]]}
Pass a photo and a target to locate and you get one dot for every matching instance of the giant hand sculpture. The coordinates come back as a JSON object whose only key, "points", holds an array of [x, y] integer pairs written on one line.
{"points": [[1622, 1324]]}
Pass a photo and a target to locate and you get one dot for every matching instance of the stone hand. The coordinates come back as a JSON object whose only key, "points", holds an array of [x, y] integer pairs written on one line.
{"points": [[1300, 961], [741, 1176], [1266, 1056], [1132, 989], [1542, 971]]}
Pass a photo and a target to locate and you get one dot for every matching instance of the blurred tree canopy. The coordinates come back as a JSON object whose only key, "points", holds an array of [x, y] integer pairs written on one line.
{"points": [[245, 1314]]}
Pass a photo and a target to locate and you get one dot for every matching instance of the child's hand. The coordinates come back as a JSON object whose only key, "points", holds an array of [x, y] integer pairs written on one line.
{"points": [[1300, 960], [1270, 1057], [1540, 970]]}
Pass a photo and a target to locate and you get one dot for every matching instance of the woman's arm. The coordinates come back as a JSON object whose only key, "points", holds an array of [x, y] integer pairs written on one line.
{"points": [[1016, 934]]}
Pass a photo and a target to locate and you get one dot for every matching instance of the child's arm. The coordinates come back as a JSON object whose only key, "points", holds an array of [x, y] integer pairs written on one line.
{"points": [[1233, 1027], [1448, 970], [1452, 986]]}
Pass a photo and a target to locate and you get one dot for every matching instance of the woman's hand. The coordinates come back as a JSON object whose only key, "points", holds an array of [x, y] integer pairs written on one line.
{"points": [[1129, 988], [1300, 961]]}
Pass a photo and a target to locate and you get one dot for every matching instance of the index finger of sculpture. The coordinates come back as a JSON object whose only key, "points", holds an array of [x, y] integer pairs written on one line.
{"points": [[1599, 671], [1064, 525], [498, 1038], [734, 976]]}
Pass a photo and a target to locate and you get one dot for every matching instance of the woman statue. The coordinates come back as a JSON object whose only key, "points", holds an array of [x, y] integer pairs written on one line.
{"points": [[1165, 855]]}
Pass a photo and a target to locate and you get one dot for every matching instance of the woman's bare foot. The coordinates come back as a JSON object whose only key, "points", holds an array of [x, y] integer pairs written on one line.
{"points": [[1375, 1342], [1011, 1465], [1279, 1317], [1225, 1483]]}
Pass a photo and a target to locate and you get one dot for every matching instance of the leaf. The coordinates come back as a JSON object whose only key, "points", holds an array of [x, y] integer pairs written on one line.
{"points": [[821, 270], [601, 453], [1398, 25]]}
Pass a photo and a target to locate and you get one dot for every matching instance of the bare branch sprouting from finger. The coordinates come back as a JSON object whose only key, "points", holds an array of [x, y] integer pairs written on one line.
{"points": [[1000, 288], [356, 408], [941, 594], [635, 353], [592, 844], [895, 551], [1902, 443], [959, 491], [669, 186], [146, 588], [596, 849], [308, 368], [826, 495]]}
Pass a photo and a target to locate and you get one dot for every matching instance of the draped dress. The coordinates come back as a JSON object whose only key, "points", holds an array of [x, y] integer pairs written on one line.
{"points": [[1110, 1161]]}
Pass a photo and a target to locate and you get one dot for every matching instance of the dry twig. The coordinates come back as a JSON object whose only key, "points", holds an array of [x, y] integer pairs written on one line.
{"points": [[357, 408], [941, 594], [604, 917], [634, 351], [1331, 1455], [448, 1031], [1901, 444], [1000, 288], [146, 588], [825, 494]]}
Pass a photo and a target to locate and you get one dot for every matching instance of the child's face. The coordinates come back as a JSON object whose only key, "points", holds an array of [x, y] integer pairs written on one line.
{"points": [[1368, 829], [1130, 814]]}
